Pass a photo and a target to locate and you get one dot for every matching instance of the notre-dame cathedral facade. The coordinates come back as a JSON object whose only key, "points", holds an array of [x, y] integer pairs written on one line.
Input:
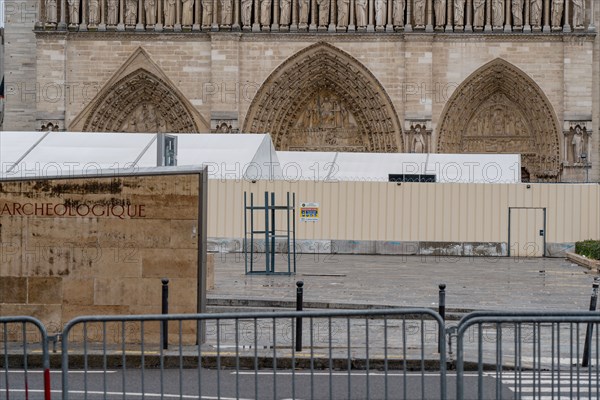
{"points": [[444, 76]]}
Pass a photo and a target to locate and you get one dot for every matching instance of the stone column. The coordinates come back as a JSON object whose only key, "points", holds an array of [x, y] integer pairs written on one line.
{"points": [[275, 24], [314, 18], [449, 15], [140, 22], [215, 16], [332, 16], [256, 24], [102, 26], [429, 12], [41, 18], [591, 26], [84, 16], [408, 26], [351, 25], [488, 16], [62, 23], [389, 27], [507, 16], [371, 17], [197, 18], [294, 24], [546, 27], [469, 17], [526, 25]]}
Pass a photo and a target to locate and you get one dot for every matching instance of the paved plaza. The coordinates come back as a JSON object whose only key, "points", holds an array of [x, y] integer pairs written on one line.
{"points": [[356, 281]]}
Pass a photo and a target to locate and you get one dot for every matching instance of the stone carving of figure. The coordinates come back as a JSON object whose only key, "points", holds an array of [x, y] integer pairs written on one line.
{"points": [[207, 10], [112, 14], [265, 12], [517, 12], [498, 12], [131, 12], [303, 14], [557, 12], [94, 12], [246, 12], [285, 11], [439, 6], [459, 13], [419, 13], [418, 141], [51, 14], [380, 12], [74, 12], [577, 143], [150, 7], [323, 6], [578, 13], [226, 14], [398, 12], [361, 12], [187, 12], [536, 12], [343, 8], [479, 14]]}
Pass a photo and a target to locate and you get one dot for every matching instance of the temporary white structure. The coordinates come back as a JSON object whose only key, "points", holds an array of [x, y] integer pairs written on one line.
{"points": [[227, 156], [463, 168]]}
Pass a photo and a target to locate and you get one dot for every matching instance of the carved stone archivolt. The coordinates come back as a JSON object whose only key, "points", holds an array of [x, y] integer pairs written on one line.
{"points": [[499, 109], [322, 99], [139, 98]]}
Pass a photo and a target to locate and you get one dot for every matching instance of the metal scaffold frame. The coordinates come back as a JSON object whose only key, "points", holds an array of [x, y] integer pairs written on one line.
{"points": [[270, 234]]}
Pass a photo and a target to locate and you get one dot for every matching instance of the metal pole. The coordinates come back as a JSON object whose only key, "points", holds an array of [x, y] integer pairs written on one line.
{"points": [[299, 295], [588, 335], [165, 310], [442, 309]]}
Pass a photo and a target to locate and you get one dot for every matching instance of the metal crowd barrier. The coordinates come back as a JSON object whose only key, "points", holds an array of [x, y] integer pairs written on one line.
{"points": [[529, 355], [22, 339], [382, 354]]}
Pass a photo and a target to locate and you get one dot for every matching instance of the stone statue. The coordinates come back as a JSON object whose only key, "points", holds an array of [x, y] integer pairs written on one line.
{"points": [[112, 14], [459, 13], [246, 12], [418, 141], [497, 12], [187, 12], [226, 12], [74, 12], [323, 7], [304, 6], [517, 12], [343, 8], [131, 12], [557, 12], [479, 14], [439, 6], [361, 12], [51, 13], [265, 12], [578, 13], [536, 13], [94, 12], [380, 12], [285, 11], [398, 14], [169, 12], [150, 7], [419, 13], [577, 143], [207, 10]]}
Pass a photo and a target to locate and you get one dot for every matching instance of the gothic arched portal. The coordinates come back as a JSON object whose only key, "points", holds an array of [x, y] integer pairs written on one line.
{"points": [[323, 99], [139, 98], [499, 109]]}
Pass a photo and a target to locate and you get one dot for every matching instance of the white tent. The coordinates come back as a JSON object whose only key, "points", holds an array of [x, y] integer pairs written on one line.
{"points": [[464, 168], [227, 156]]}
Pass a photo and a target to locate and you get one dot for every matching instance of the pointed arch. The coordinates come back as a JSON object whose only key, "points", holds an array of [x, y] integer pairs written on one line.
{"points": [[139, 98], [322, 98], [499, 109]]}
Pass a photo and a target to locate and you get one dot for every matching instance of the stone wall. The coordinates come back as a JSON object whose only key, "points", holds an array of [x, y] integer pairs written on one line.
{"points": [[98, 246]]}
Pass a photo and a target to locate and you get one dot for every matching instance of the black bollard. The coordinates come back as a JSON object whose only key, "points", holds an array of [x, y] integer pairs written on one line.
{"points": [[165, 310], [299, 295], [590, 328], [442, 309]]}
